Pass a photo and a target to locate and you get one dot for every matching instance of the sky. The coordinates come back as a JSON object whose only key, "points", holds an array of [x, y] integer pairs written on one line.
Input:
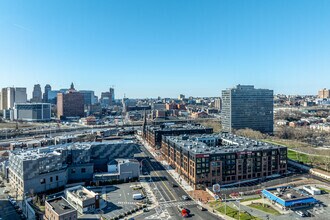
{"points": [[151, 48]]}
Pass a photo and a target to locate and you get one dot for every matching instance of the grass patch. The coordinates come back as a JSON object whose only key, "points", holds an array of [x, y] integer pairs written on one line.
{"points": [[298, 156], [287, 143], [231, 212], [250, 199], [324, 190], [264, 208]]}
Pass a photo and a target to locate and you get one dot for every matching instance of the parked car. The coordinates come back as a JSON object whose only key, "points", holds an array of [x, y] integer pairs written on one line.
{"points": [[174, 185], [184, 197]]}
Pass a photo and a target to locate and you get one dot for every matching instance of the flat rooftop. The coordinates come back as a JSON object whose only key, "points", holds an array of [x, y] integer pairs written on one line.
{"points": [[82, 193], [172, 127], [50, 151], [60, 205], [288, 194], [218, 143]]}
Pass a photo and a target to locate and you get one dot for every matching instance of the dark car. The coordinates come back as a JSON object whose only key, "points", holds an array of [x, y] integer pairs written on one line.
{"points": [[174, 185]]}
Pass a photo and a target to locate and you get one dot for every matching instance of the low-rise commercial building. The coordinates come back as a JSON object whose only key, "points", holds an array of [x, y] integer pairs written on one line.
{"points": [[287, 197], [204, 160], [153, 134], [59, 209], [82, 199], [32, 111]]}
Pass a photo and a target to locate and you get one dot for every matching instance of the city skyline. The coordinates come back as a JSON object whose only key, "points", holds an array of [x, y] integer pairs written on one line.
{"points": [[165, 48]]}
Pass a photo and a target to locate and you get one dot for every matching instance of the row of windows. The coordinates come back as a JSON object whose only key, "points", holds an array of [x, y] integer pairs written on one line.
{"points": [[43, 180], [82, 170]]}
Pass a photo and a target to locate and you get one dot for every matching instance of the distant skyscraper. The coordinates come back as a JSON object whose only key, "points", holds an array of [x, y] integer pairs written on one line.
{"points": [[45, 95], [217, 103], [11, 95], [112, 95], [88, 97], [20, 95], [247, 107], [70, 104], [36, 94], [108, 98], [181, 97], [324, 94]]}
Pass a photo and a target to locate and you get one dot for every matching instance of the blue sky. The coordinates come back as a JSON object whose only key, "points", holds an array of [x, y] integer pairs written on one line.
{"points": [[150, 48]]}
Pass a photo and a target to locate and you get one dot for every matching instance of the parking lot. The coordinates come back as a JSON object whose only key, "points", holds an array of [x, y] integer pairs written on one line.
{"points": [[7, 210], [119, 199]]}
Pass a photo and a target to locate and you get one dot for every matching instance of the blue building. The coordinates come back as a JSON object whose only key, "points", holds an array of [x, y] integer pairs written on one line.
{"points": [[288, 197]]}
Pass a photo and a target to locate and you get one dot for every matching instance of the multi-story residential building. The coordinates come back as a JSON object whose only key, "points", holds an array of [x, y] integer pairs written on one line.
{"points": [[36, 94], [59, 209], [153, 134], [32, 111], [324, 94], [204, 160], [247, 107], [41, 169], [217, 103], [70, 104]]}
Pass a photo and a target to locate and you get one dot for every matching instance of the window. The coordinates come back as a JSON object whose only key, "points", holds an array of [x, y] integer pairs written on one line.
{"points": [[83, 170], [42, 181], [73, 170], [56, 178], [51, 179]]}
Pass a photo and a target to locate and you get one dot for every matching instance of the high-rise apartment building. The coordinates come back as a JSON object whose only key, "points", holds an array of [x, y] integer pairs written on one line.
{"points": [[45, 95], [247, 107], [70, 104], [11, 95], [324, 93], [36, 94]]}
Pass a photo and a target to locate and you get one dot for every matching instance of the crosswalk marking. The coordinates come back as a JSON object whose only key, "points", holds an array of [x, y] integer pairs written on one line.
{"points": [[173, 204], [129, 203]]}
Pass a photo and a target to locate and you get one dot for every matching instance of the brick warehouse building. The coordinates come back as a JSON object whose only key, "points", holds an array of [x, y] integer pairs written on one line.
{"points": [[154, 133], [204, 160]]}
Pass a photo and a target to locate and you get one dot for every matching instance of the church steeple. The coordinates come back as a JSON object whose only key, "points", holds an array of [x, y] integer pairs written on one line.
{"points": [[72, 86]]}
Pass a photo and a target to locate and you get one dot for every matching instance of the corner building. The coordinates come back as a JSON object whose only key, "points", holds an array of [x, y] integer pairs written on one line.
{"points": [[204, 160]]}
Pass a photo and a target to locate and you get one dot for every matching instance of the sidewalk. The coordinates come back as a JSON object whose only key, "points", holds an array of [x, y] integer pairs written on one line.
{"points": [[167, 167], [204, 196]]}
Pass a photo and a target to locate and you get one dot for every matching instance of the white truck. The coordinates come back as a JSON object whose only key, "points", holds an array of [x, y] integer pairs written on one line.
{"points": [[138, 196]]}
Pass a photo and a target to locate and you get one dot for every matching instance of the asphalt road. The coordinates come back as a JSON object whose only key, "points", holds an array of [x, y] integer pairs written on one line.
{"points": [[169, 197]]}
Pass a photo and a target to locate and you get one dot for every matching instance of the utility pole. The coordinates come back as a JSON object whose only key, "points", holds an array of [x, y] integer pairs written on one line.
{"points": [[239, 210]]}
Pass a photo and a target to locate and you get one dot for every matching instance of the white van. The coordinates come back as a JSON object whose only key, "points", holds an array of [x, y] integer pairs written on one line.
{"points": [[138, 196]]}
